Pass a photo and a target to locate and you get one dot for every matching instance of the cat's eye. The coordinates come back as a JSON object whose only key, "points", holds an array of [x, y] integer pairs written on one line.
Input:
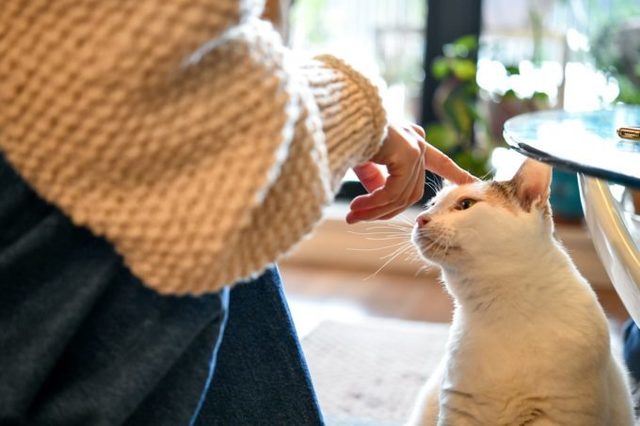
{"points": [[465, 203]]}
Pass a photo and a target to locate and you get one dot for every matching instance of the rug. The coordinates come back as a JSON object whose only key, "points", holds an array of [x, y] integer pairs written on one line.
{"points": [[369, 373]]}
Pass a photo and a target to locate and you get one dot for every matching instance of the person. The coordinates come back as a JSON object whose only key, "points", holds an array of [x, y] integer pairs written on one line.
{"points": [[154, 154]]}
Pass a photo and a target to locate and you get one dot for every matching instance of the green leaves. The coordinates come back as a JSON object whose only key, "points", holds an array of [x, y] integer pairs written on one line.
{"points": [[475, 162], [512, 69], [440, 68], [464, 69], [441, 136], [456, 60], [461, 47], [455, 105]]}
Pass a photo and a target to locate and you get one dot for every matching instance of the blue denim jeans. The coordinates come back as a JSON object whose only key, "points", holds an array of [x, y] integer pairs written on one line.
{"points": [[83, 342], [631, 349]]}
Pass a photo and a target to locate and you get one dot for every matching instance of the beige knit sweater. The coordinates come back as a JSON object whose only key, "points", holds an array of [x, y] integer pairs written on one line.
{"points": [[182, 131]]}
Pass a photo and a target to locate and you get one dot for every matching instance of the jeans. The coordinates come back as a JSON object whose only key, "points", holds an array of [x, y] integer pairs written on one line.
{"points": [[631, 349], [83, 342]]}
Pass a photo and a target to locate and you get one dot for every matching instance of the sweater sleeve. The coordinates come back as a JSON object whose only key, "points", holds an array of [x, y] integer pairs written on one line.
{"points": [[183, 132]]}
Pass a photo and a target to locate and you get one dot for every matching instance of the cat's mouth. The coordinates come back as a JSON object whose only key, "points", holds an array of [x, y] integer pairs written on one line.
{"points": [[430, 244]]}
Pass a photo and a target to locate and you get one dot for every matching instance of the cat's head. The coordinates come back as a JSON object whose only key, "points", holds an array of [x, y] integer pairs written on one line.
{"points": [[486, 219]]}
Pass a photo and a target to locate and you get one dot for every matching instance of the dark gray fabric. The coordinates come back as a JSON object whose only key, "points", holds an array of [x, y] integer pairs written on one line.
{"points": [[83, 342]]}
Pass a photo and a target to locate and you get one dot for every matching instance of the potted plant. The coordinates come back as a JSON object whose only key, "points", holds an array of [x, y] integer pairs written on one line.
{"points": [[455, 105]]}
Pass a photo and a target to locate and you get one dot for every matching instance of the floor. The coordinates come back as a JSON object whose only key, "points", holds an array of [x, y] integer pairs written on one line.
{"points": [[367, 371], [351, 296]]}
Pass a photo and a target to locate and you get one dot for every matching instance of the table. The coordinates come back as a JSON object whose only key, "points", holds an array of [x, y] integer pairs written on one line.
{"points": [[587, 143]]}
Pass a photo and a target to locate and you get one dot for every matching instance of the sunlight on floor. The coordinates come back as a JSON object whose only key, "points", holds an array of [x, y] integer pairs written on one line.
{"points": [[309, 313]]}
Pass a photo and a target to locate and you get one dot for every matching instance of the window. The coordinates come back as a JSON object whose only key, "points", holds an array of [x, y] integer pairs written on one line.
{"points": [[379, 37], [551, 47], [385, 38]]}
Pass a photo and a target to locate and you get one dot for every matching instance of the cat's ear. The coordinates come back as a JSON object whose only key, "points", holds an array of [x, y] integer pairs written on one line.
{"points": [[532, 184]]}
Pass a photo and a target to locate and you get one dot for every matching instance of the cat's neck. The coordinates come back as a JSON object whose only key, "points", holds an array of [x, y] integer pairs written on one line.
{"points": [[524, 279]]}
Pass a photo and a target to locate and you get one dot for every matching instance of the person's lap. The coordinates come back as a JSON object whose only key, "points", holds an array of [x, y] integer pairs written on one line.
{"points": [[82, 341], [260, 378]]}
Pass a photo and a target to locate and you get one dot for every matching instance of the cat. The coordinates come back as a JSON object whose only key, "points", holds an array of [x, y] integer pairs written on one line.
{"points": [[529, 343]]}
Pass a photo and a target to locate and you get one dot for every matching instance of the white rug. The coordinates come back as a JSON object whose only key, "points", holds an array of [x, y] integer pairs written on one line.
{"points": [[369, 373]]}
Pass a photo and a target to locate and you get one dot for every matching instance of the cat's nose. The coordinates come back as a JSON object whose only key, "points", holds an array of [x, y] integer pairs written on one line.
{"points": [[422, 220]]}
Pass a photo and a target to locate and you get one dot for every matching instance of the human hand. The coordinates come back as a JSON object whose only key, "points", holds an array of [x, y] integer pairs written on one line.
{"points": [[406, 155]]}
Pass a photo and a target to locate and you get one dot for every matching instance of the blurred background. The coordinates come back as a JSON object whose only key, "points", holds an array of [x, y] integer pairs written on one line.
{"points": [[372, 319]]}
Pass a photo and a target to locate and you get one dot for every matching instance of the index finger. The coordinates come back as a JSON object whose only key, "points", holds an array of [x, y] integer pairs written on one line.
{"points": [[438, 163]]}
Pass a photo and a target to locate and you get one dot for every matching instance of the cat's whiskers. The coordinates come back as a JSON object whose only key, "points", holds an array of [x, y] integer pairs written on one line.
{"points": [[401, 243], [399, 248], [395, 254], [436, 244], [391, 237], [405, 219], [385, 232], [424, 268], [423, 264], [434, 185], [391, 231], [440, 244], [487, 174], [384, 235], [426, 262], [400, 226], [396, 237], [400, 231], [443, 239], [388, 232]]}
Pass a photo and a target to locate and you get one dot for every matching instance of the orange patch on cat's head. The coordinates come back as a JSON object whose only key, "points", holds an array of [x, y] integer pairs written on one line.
{"points": [[499, 194], [503, 194]]}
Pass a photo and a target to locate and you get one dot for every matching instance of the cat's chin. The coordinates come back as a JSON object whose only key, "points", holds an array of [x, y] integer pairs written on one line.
{"points": [[433, 253], [429, 262], [429, 258]]}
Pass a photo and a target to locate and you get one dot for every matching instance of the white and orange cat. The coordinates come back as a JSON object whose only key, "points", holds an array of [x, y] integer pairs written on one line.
{"points": [[529, 343]]}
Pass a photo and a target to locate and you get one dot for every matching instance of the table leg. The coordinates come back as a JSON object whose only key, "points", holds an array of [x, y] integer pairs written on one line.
{"points": [[614, 243]]}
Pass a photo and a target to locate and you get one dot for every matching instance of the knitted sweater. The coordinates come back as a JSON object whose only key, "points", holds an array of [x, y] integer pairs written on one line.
{"points": [[182, 131]]}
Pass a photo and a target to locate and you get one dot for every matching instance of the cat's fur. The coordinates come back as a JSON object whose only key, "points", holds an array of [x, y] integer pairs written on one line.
{"points": [[529, 343]]}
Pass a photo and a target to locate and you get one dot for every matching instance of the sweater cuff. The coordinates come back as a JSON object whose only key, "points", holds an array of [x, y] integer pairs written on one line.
{"points": [[353, 118]]}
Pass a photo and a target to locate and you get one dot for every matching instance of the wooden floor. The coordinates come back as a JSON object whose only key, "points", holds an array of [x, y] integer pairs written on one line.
{"points": [[324, 294]]}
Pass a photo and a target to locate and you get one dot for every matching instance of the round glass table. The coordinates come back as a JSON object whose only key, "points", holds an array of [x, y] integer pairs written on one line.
{"points": [[587, 143]]}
